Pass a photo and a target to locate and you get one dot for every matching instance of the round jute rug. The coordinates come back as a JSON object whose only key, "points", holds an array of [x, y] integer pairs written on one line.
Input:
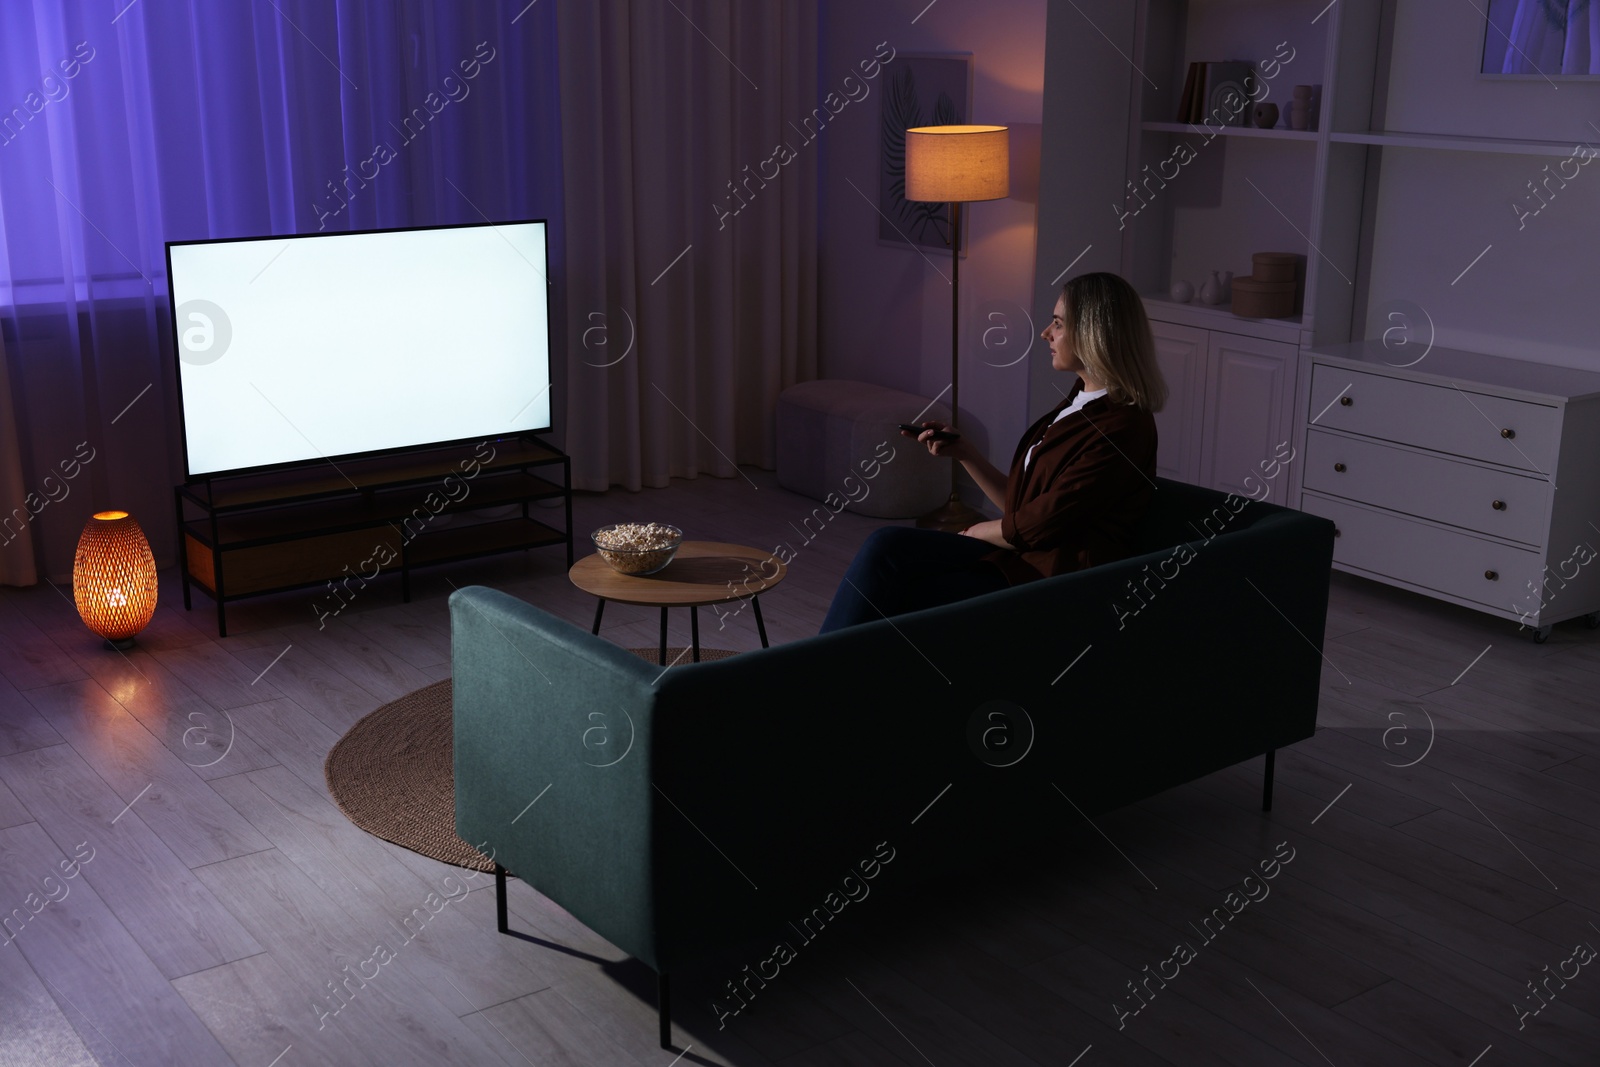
{"points": [[393, 773]]}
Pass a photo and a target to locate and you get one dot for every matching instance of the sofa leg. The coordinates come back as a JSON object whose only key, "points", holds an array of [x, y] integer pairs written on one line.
{"points": [[664, 1011], [500, 899], [1266, 790]]}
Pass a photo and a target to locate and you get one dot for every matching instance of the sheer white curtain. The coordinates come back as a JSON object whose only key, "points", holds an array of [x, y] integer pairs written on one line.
{"points": [[684, 251], [691, 231], [125, 125]]}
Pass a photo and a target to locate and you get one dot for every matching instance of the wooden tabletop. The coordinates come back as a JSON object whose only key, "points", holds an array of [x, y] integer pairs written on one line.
{"points": [[703, 572]]}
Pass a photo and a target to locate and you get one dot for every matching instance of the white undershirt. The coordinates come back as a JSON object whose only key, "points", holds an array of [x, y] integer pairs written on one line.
{"points": [[1077, 403]]}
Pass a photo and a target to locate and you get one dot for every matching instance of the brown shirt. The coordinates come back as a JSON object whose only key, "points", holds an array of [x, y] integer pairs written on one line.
{"points": [[1089, 484]]}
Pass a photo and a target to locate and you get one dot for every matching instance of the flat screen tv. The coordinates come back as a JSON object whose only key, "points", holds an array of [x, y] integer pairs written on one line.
{"points": [[294, 349]]}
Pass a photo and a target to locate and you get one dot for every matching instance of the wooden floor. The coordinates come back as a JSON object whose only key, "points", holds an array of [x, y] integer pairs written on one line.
{"points": [[177, 887]]}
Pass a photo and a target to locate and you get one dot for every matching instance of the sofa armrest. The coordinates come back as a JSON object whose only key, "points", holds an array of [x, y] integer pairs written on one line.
{"points": [[543, 711]]}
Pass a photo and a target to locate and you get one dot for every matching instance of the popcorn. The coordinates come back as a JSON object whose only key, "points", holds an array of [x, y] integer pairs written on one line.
{"points": [[638, 548], [636, 535]]}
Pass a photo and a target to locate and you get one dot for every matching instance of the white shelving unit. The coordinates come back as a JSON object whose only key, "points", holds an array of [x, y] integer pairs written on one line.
{"points": [[1451, 143], [1240, 190], [1409, 180], [1274, 134], [1219, 318]]}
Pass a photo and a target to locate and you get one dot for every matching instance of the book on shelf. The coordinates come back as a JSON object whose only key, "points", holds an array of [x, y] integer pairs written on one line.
{"points": [[1186, 108], [1219, 94]]}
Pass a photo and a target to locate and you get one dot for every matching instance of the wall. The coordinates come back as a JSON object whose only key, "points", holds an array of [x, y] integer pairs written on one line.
{"points": [[885, 310], [1531, 295], [1089, 84]]}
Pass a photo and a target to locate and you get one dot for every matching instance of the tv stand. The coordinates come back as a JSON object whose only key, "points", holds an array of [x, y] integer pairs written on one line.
{"points": [[346, 525]]}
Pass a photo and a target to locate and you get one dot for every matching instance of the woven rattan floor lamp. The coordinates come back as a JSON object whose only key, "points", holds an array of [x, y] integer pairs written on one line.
{"points": [[114, 578], [956, 165]]}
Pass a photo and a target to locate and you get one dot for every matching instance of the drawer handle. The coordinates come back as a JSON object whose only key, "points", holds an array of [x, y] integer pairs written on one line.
{"points": [[1345, 401], [1339, 467], [1499, 505], [1491, 575], [1508, 434]]}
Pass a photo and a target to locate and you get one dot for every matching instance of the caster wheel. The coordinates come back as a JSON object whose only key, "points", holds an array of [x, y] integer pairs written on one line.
{"points": [[1541, 635], [1592, 620]]}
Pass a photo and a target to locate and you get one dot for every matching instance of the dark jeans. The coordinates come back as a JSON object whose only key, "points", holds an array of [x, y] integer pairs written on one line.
{"points": [[901, 569]]}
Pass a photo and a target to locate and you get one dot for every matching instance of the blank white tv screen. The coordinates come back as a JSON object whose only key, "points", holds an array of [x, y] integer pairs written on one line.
{"points": [[318, 347]]}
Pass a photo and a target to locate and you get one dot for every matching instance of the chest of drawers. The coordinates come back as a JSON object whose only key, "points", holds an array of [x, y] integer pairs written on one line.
{"points": [[1470, 478]]}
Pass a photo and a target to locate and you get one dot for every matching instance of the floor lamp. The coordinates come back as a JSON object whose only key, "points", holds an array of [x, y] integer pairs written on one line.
{"points": [[956, 165]]}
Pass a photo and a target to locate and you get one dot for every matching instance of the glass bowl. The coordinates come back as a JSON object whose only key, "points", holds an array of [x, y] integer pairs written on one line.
{"points": [[637, 548]]}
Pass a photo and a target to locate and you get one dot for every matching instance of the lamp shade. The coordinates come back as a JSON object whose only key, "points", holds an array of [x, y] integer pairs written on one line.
{"points": [[114, 577], [958, 164]]}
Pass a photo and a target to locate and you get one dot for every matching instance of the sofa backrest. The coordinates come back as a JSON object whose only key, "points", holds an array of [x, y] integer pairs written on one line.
{"points": [[1180, 512], [1130, 677]]}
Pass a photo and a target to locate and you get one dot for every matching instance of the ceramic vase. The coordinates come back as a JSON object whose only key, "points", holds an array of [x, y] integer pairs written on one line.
{"points": [[1266, 116], [1181, 292], [1211, 291], [1300, 110]]}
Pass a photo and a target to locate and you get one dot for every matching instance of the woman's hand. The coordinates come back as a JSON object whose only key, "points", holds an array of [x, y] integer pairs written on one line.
{"points": [[957, 450], [989, 478], [987, 531]]}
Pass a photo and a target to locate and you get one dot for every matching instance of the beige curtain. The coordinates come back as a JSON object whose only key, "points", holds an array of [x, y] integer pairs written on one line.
{"points": [[691, 232], [16, 536]]}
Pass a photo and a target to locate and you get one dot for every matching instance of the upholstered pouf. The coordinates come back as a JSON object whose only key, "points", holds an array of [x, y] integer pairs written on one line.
{"points": [[830, 431]]}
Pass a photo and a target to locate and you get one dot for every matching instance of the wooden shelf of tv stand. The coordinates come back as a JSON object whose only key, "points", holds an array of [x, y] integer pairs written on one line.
{"points": [[384, 472], [251, 535], [276, 566], [263, 524]]}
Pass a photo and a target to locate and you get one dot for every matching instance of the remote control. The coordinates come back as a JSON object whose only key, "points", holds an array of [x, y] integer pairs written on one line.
{"points": [[938, 435]]}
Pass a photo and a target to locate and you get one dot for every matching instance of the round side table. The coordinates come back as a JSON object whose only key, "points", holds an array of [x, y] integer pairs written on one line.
{"points": [[702, 573]]}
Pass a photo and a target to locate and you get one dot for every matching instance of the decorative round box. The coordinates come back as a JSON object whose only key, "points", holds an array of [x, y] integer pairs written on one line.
{"points": [[1256, 299], [1275, 266]]}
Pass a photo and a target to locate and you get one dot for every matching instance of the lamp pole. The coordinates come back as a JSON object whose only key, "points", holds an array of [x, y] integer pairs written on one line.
{"points": [[955, 324], [955, 165], [956, 514]]}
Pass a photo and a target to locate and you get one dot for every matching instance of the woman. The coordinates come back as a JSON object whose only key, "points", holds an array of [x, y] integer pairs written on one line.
{"points": [[1080, 480]]}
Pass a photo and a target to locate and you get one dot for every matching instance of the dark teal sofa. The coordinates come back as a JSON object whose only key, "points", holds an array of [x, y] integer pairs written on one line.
{"points": [[752, 787]]}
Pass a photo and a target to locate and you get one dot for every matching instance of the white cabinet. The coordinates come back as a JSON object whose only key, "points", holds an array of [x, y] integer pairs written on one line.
{"points": [[1181, 352], [1230, 408], [1249, 413], [1466, 477]]}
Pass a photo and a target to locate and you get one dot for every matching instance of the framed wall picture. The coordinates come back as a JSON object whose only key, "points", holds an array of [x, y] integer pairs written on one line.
{"points": [[921, 89], [1542, 39]]}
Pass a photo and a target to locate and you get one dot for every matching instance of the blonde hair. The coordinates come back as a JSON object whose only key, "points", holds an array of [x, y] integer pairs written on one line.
{"points": [[1111, 336]]}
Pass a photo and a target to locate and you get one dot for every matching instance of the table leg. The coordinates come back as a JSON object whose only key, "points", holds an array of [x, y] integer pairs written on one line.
{"points": [[599, 610], [761, 627], [694, 631], [663, 637]]}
